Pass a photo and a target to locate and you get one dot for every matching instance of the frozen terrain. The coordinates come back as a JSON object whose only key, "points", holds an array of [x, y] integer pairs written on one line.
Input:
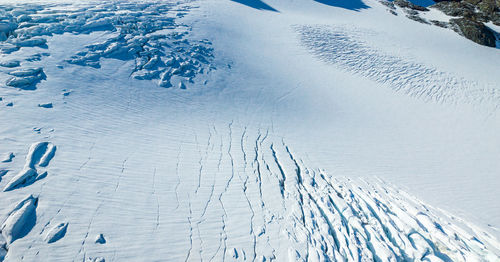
{"points": [[244, 131]]}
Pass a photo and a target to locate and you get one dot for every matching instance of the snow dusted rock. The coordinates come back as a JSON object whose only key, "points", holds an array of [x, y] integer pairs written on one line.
{"points": [[475, 31], [20, 220], [409, 5], [56, 232]]}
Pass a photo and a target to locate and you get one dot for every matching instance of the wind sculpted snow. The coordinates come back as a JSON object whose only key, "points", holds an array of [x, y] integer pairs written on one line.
{"points": [[345, 48]]}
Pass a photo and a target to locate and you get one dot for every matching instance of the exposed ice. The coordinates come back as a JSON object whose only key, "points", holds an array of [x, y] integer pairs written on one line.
{"points": [[25, 177], [56, 232], [99, 239], [46, 105], [20, 220], [10, 64], [7, 157]]}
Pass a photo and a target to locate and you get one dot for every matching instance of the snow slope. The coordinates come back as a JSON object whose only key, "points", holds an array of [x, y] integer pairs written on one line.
{"points": [[244, 130]]}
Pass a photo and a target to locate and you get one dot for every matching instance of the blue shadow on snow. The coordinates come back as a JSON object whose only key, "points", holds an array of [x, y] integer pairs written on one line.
{"points": [[257, 4], [354, 5]]}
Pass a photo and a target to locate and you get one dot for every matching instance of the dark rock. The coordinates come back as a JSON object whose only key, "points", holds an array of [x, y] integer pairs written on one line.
{"points": [[473, 14], [457, 9], [418, 19], [409, 5], [480, 10], [439, 23], [496, 20], [475, 31], [388, 4]]}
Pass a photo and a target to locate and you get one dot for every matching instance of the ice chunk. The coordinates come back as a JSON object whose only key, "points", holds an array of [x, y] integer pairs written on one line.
{"points": [[12, 63], [26, 78], [21, 82], [100, 239], [27, 72], [3, 250], [101, 24], [31, 42], [57, 232], [40, 153], [46, 105], [7, 157], [26, 176], [7, 48], [23, 18], [20, 220]]}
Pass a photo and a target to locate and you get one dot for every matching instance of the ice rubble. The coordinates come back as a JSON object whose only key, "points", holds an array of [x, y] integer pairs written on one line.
{"points": [[22, 218], [147, 33]]}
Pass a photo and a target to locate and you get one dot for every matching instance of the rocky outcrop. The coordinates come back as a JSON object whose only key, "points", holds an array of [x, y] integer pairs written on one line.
{"points": [[471, 16], [409, 5], [468, 17], [477, 10], [475, 31]]}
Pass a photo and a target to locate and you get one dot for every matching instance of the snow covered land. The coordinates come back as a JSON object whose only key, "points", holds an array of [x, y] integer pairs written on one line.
{"points": [[246, 130]]}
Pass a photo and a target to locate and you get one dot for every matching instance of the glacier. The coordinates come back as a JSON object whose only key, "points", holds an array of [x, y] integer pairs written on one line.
{"points": [[245, 130]]}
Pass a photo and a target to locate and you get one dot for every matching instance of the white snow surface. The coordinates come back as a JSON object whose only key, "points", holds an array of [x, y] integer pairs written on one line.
{"points": [[286, 130]]}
